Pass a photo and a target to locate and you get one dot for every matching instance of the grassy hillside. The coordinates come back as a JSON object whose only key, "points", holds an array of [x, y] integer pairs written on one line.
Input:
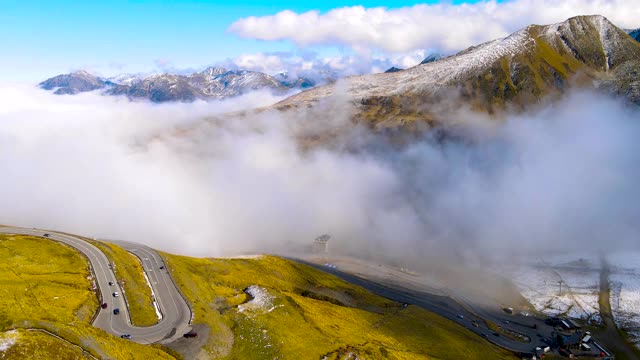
{"points": [[43, 280], [46, 285], [263, 308], [303, 313], [25, 344], [136, 289]]}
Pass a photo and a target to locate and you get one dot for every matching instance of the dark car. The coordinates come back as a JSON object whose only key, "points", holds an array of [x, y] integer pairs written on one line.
{"points": [[116, 311], [125, 336], [46, 235], [115, 294], [162, 267], [111, 283], [104, 305], [495, 333], [191, 334]]}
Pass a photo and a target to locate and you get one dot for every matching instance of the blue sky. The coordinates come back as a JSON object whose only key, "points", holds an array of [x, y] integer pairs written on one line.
{"points": [[41, 38]]}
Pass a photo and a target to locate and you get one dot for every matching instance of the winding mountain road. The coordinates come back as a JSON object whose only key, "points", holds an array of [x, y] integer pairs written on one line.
{"points": [[451, 309], [176, 314]]}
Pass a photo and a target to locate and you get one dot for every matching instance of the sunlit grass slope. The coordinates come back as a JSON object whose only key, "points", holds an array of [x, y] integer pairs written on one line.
{"points": [[310, 315], [138, 293], [44, 280], [45, 285], [36, 345]]}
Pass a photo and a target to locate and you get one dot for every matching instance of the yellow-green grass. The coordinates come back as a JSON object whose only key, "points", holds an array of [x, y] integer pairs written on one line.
{"points": [[38, 345], [45, 280], [45, 285], [312, 314], [136, 289], [95, 341]]}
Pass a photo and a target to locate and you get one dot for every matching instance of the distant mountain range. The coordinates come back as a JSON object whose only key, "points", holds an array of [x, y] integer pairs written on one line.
{"points": [[211, 83], [584, 51], [513, 72]]}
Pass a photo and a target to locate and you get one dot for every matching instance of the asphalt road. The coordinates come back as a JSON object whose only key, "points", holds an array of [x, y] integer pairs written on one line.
{"points": [[176, 315], [611, 336], [461, 312]]}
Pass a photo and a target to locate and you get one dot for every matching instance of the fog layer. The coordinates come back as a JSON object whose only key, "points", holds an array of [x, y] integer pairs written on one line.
{"points": [[563, 176]]}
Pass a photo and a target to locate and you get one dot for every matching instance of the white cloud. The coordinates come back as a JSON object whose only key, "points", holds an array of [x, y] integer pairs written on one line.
{"points": [[443, 26], [320, 68], [158, 174]]}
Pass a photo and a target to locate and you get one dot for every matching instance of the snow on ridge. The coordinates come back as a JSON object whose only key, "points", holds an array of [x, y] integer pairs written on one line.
{"points": [[438, 73], [604, 29]]}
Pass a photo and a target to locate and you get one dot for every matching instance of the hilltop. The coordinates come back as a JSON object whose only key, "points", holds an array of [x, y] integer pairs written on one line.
{"points": [[510, 73]]}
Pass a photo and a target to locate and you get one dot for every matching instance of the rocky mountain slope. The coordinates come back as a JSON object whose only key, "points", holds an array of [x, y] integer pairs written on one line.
{"points": [[514, 72], [76, 82], [211, 83]]}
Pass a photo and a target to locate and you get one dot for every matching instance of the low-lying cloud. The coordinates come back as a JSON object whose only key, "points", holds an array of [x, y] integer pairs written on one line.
{"points": [[319, 68], [564, 176], [443, 26]]}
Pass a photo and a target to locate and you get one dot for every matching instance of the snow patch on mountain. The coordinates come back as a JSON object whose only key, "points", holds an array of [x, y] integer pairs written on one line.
{"points": [[261, 301], [8, 339]]}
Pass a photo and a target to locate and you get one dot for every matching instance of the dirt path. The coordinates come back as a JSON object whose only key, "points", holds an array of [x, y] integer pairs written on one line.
{"points": [[611, 335]]}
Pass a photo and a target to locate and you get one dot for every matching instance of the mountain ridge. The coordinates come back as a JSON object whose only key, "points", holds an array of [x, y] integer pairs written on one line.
{"points": [[210, 83], [515, 71]]}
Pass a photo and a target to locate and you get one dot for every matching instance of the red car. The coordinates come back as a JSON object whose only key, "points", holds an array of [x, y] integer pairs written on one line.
{"points": [[104, 305]]}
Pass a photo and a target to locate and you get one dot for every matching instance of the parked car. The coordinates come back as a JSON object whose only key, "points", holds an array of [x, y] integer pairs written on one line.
{"points": [[125, 336], [191, 334], [104, 305], [116, 311], [115, 294]]}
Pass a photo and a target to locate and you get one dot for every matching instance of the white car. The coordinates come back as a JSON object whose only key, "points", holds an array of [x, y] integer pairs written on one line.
{"points": [[115, 294]]}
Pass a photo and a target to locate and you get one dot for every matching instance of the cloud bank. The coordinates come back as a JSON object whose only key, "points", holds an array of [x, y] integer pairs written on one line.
{"points": [[313, 66], [444, 26], [562, 177]]}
